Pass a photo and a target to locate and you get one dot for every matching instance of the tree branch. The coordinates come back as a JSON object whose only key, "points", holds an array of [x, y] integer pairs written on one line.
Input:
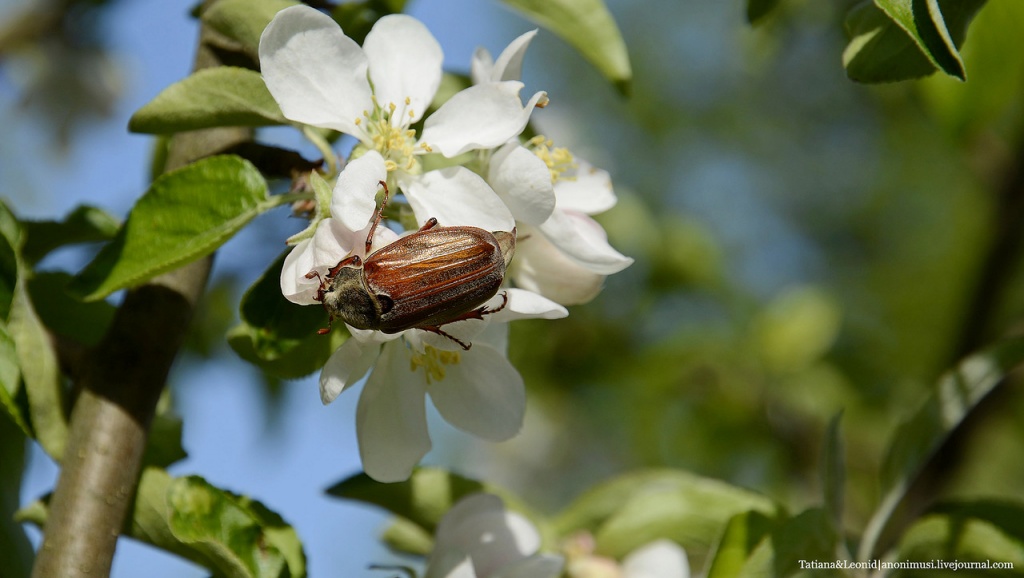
{"points": [[120, 389]]}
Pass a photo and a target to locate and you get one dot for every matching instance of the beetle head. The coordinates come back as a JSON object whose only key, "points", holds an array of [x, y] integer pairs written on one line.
{"points": [[348, 298]]}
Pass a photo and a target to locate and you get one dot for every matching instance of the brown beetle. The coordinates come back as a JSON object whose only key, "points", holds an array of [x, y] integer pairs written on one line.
{"points": [[435, 276]]}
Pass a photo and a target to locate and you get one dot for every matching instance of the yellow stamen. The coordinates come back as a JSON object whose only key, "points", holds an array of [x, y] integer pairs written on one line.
{"points": [[433, 362]]}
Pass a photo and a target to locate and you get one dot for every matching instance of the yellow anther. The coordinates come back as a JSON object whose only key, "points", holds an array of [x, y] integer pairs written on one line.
{"points": [[558, 159], [433, 362]]}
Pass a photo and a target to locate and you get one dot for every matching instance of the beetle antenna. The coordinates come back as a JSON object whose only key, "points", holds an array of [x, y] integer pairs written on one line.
{"points": [[377, 215]]}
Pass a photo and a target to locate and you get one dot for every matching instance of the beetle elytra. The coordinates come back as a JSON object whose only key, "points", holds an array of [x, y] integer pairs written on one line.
{"points": [[432, 277]]}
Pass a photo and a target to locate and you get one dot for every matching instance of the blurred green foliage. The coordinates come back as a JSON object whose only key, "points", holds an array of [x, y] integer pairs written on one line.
{"points": [[804, 246]]}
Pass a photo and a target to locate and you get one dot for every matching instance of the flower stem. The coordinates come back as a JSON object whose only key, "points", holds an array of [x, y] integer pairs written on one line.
{"points": [[325, 149]]}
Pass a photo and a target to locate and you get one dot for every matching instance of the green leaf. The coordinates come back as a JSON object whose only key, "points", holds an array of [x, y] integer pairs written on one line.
{"points": [[937, 26], [163, 446], [232, 536], [893, 40], [85, 224], [83, 322], [15, 548], [968, 531], [357, 18], [996, 61], [186, 214], [422, 499], [211, 97], [10, 381], [279, 336], [805, 537], [758, 9], [638, 508], [833, 472], [41, 373], [589, 28], [917, 439], [10, 243], [244, 20], [409, 537], [742, 535], [240, 535]]}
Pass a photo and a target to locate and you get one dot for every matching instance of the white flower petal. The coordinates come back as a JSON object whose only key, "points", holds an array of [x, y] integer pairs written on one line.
{"points": [[355, 193], [405, 62], [523, 181], [587, 189], [583, 240], [493, 537], [457, 196], [315, 73], [449, 564], [495, 335], [479, 117], [482, 394], [660, 559], [540, 566], [330, 244], [509, 65], [480, 66], [540, 267], [523, 304], [391, 418], [347, 365]]}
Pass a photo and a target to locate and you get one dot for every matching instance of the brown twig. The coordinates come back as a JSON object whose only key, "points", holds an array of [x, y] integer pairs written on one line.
{"points": [[121, 384]]}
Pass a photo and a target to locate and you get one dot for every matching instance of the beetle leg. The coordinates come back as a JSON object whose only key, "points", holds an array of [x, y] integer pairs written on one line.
{"points": [[377, 215], [352, 260], [477, 313], [327, 329], [437, 329]]}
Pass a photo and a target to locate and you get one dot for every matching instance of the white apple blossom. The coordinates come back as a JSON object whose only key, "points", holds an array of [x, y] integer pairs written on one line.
{"points": [[479, 538], [563, 254], [476, 390], [376, 92], [659, 559]]}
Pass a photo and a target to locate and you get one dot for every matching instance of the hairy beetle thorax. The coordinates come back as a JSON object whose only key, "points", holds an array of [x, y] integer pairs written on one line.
{"points": [[348, 299]]}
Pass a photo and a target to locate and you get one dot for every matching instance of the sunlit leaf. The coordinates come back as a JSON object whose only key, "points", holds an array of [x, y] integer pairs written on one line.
{"points": [[969, 531], [243, 21], [587, 26], [212, 97], [917, 439], [40, 372], [232, 536], [10, 381], [742, 534], [805, 537], [186, 214], [638, 508], [894, 40]]}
